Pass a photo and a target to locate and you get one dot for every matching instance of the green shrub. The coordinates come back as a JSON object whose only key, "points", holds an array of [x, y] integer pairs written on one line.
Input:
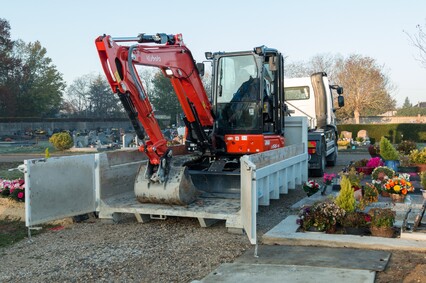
{"points": [[346, 199], [387, 150], [61, 141], [418, 156], [423, 180]]}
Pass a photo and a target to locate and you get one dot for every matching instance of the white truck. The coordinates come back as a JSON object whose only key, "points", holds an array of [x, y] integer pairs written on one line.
{"points": [[312, 97]]}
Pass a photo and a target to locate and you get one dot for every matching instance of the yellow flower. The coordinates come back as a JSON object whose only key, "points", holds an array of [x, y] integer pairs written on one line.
{"points": [[397, 188], [409, 184]]}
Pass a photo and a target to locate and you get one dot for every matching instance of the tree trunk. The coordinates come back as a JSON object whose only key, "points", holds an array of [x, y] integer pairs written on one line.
{"points": [[356, 116]]}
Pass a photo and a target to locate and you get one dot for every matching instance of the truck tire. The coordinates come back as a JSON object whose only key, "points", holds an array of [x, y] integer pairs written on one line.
{"points": [[333, 158]]}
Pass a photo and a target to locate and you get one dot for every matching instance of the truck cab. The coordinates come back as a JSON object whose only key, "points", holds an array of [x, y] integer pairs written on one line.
{"points": [[313, 98]]}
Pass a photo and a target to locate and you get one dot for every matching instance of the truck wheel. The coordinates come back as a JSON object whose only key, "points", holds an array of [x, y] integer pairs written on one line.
{"points": [[333, 158]]}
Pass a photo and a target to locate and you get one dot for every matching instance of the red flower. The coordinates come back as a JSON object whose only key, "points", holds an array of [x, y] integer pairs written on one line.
{"points": [[367, 218], [21, 195]]}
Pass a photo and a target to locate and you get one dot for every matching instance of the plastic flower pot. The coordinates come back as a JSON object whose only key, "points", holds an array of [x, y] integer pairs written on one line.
{"points": [[393, 164]]}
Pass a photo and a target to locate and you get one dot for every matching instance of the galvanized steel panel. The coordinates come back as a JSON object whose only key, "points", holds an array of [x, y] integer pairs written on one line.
{"points": [[59, 187], [248, 198]]}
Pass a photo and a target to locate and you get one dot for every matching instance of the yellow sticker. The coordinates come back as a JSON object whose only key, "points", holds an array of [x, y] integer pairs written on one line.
{"points": [[117, 76]]}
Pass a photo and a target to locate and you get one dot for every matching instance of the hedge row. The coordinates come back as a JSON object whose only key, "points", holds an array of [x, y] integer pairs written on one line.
{"points": [[394, 132]]}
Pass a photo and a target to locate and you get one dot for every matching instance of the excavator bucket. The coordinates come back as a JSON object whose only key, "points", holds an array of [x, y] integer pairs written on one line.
{"points": [[178, 189]]}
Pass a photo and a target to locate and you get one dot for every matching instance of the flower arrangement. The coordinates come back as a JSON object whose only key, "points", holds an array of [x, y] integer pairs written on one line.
{"points": [[328, 178], [360, 139], [423, 179], [382, 220], [382, 217], [371, 193], [418, 156], [405, 161], [311, 187], [374, 150], [375, 162], [354, 177], [406, 146], [343, 143], [322, 215], [14, 189], [361, 163], [399, 185], [380, 172], [356, 219]]}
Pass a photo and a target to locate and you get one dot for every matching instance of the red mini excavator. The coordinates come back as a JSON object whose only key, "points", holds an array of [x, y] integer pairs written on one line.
{"points": [[244, 115]]}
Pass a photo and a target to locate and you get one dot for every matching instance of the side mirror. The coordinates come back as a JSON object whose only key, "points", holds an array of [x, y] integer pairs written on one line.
{"points": [[341, 101], [200, 68], [340, 90]]}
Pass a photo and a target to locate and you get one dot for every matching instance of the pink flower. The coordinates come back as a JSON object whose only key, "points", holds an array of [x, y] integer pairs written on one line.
{"points": [[21, 195], [328, 178], [375, 162]]}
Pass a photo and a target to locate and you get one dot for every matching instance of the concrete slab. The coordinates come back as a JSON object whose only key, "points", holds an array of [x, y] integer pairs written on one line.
{"points": [[317, 256], [273, 273], [285, 234]]}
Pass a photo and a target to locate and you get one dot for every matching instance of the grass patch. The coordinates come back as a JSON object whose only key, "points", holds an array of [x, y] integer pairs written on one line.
{"points": [[13, 231], [39, 148], [10, 175]]}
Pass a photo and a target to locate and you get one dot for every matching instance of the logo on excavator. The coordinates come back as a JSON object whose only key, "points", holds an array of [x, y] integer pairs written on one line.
{"points": [[152, 58]]}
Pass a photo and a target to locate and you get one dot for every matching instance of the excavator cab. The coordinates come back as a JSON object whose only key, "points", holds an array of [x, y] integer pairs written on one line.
{"points": [[247, 100]]}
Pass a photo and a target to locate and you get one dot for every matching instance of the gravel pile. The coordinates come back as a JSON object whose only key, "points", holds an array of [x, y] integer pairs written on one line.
{"points": [[173, 250]]}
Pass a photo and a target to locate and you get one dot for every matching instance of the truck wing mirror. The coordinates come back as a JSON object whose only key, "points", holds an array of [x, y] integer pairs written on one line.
{"points": [[200, 68], [340, 90], [341, 101]]}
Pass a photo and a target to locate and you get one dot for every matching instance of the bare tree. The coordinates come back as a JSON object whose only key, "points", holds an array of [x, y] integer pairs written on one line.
{"points": [[367, 87], [319, 63], [91, 96], [77, 96], [418, 40]]}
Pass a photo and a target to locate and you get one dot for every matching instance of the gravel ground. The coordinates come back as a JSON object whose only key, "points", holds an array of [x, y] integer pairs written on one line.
{"points": [[173, 250]]}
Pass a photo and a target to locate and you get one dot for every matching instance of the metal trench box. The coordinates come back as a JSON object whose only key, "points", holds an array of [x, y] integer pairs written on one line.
{"points": [[66, 186]]}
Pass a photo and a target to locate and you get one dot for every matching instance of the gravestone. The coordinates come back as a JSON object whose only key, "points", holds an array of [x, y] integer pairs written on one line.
{"points": [[346, 135]]}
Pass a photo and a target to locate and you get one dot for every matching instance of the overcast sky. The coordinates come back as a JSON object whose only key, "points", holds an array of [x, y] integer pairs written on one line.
{"points": [[299, 29]]}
